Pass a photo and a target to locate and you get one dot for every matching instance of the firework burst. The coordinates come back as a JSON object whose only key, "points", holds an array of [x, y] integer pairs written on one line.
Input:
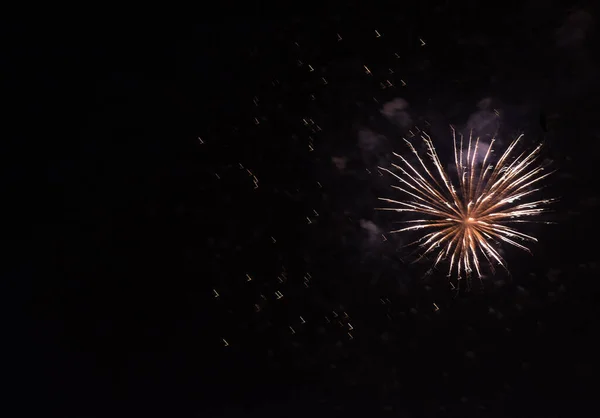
{"points": [[463, 224]]}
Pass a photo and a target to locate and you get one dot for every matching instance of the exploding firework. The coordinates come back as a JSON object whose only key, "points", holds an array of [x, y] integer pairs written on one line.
{"points": [[467, 222]]}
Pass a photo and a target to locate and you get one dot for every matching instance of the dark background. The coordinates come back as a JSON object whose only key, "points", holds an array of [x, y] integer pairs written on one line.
{"points": [[158, 165]]}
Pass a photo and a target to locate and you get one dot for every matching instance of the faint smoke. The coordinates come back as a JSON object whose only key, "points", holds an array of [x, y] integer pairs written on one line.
{"points": [[483, 124], [486, 121], [339, 162], [395, 112], [368, 140], [575, 29], [372, 229]]}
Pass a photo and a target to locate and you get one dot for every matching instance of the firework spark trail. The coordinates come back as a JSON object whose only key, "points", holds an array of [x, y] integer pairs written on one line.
{"points": [[464, 222]]}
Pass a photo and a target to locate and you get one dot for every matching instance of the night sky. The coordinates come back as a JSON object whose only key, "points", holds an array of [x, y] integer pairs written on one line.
{"points": [[200, 235]]}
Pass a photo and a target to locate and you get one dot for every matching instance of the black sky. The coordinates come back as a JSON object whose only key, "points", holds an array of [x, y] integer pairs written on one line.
{"points": [[199, 237]]}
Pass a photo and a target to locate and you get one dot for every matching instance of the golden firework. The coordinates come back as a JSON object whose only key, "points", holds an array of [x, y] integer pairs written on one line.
{"points": [[465, 222]]}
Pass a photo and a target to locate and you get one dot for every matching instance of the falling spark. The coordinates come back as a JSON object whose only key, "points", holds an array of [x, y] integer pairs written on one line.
{"points": [[463, 223]]}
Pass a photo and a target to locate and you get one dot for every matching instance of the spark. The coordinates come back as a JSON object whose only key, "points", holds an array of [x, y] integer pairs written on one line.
{"points": [[462, 224]]}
